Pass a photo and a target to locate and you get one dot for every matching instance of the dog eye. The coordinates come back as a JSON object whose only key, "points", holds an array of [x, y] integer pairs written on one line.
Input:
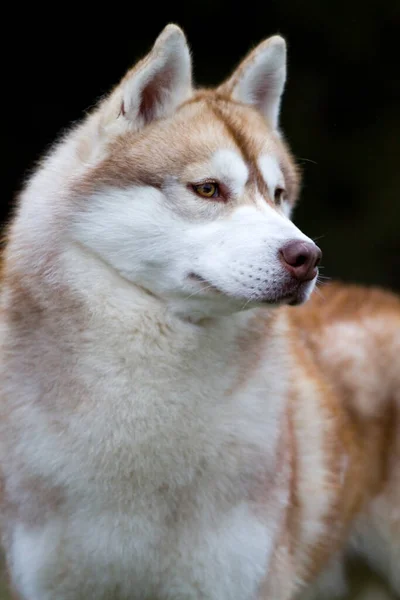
{"points": [[209, 189], [278, 195]]}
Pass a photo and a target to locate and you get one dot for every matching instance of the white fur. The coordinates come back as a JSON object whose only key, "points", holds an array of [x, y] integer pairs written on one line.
{"points": [[122, 533], [231, 556], [271, 172], [230, 167], [274, 179]]}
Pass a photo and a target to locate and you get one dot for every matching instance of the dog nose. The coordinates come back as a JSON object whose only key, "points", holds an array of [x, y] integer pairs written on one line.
{"points": [[301, 259]]}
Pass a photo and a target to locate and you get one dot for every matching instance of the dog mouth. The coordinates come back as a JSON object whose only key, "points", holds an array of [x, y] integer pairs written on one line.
{"points": [[290, 293], [206, 285]]}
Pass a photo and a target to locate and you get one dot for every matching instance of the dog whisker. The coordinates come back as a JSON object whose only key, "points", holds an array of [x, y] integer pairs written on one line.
{"points": [[319, 237], [306, 160], [197, 292]]}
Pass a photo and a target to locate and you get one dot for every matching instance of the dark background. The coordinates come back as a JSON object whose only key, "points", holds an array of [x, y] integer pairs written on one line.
{"points": [[341, 110]]}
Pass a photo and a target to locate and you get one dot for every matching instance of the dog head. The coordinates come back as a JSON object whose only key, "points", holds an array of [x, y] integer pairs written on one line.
{"points": [[188, 193]]}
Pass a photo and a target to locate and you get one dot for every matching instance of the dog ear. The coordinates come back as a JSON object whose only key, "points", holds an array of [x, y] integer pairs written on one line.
{"points": [[260, 79], [154, 87]]}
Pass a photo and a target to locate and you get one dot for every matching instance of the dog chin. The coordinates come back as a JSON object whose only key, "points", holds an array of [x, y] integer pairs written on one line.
{"points": [[291, 294], [296, 297], [302, 295]]}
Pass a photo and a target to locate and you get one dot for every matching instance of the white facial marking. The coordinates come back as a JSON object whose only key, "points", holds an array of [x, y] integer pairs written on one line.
{"points": [[271, 172], [136, 233], [273, 177], [240, 255], [229, 167], [286, 208]]}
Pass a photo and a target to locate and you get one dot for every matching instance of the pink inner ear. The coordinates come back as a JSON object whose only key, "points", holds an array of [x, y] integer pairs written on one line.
{"points": [[261, 89], [156, 92]]}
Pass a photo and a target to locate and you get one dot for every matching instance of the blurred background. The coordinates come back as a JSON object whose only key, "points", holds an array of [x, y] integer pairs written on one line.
{"points": [[341, 110]]}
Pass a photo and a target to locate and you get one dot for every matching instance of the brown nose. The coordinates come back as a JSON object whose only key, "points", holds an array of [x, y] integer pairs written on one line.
{"points": [[301, 259]]}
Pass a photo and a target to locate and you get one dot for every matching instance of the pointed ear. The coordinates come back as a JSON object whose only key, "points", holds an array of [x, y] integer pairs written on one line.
{"points": [[260, 78], [154, 87]]}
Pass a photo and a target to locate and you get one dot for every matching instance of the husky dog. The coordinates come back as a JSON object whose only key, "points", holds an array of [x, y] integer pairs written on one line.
{"points": [[171, 429]]}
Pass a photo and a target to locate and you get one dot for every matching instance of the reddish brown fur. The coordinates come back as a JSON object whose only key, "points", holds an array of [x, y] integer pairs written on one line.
{"points": [[368, 438], [202, 124]]}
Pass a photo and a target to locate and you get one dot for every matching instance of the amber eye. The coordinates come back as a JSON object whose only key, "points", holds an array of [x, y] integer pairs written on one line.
{"points": [[209, 189], [278, 195]]}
